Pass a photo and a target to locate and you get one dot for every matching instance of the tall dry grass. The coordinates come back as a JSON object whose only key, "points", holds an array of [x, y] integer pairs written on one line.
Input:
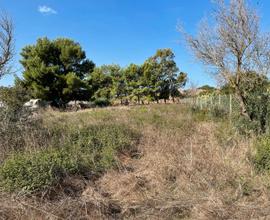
{"points": [[185, 167]]}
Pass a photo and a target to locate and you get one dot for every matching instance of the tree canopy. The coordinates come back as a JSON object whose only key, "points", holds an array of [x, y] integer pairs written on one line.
{"points": [[162, 74], [55, 70], [58, 71], [233, 46]]}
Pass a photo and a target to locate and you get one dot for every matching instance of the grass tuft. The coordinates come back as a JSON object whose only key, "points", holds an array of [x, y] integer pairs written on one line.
{"points": [[88, 151]]}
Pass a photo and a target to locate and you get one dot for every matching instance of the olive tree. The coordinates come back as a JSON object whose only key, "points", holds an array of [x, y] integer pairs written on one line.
{"points": [[233, 46]]}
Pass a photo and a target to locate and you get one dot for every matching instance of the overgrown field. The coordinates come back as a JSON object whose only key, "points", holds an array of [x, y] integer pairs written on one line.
{"points": [[142, 162]]}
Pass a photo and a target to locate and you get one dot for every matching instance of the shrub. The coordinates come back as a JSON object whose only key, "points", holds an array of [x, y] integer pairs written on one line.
{"points": [[86, 151], [102, 102], [219, 112], [20, 130], [103, 142], [254, 89], [246, 127], [14, 97], [200, 114], [226, 135], [262, 156], [29, 172]]}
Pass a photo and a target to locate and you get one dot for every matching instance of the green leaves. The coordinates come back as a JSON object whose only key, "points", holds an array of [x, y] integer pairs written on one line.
{"points": [[58, 71], [14, 97], [86, 151], [160, 73], [55, 70]]}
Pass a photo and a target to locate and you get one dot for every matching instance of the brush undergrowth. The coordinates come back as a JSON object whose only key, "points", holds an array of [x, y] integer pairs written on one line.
{"points": [[84, 151], [191, 164], [262, 155]]}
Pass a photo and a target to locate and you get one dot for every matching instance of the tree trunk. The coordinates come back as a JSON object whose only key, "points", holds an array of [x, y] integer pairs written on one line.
{"points": [[239, 93], [139, 100], [242, 103]]}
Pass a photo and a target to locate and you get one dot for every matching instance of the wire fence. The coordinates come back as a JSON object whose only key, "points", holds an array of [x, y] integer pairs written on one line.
{"points": [[228, 103]]}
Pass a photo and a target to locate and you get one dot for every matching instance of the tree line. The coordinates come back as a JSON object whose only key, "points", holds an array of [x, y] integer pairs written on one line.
{"points": [[231, 45], [59, 71]]}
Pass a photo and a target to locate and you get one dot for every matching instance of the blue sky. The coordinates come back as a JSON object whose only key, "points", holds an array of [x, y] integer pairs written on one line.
{"points": [[116, 31]]}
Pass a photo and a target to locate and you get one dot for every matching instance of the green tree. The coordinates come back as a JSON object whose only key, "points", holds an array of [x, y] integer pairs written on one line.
{"points": [[51, 66], [119, 84], [14, 97], [134, 84], [76, 89], [227, 89], [101, 83], [161, 75], [151, 80], [254, 87], [207, 90], [116, 82], [178, 83], [167, 70]]}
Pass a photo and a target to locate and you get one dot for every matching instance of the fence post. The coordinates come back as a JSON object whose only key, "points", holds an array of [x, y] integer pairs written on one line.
{"points": [[230, 105]]}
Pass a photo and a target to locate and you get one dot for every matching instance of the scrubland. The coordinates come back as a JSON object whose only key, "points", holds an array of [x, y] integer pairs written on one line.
{"points": [[143, 162]]}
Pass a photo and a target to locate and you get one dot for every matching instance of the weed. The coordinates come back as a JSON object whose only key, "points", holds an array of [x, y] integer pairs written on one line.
{"points": [[92, 149], [262, 156]]}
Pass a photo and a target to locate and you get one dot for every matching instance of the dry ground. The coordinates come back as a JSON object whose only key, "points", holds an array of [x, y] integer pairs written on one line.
{"points": [[185, 167]]}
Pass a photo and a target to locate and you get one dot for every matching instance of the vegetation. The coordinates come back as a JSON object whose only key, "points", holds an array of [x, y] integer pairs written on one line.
{"points": [[105, 163], [153, 161], [256, 98], [54, 70], [14, 97], [207, 90], [262, 156], [58, 71], [160, 72], [87, 152], [233, 47], [6, 44]]}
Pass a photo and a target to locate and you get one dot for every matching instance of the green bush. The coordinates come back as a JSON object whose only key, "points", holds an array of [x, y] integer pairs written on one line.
{"points": [[20, 130], [200, 114], [29, 172], [102, 102], [87, 151], [104, 142], [246, 127], [254, 88], [226, 135], [219, 112], [14, 97], [262, 156]]}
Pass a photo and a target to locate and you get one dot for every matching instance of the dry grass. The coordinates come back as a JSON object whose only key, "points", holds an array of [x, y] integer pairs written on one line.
{"points": [[184, 169]]}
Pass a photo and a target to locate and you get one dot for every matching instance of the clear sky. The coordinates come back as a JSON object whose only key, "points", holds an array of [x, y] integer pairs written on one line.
{"points": [[116, 31]]}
